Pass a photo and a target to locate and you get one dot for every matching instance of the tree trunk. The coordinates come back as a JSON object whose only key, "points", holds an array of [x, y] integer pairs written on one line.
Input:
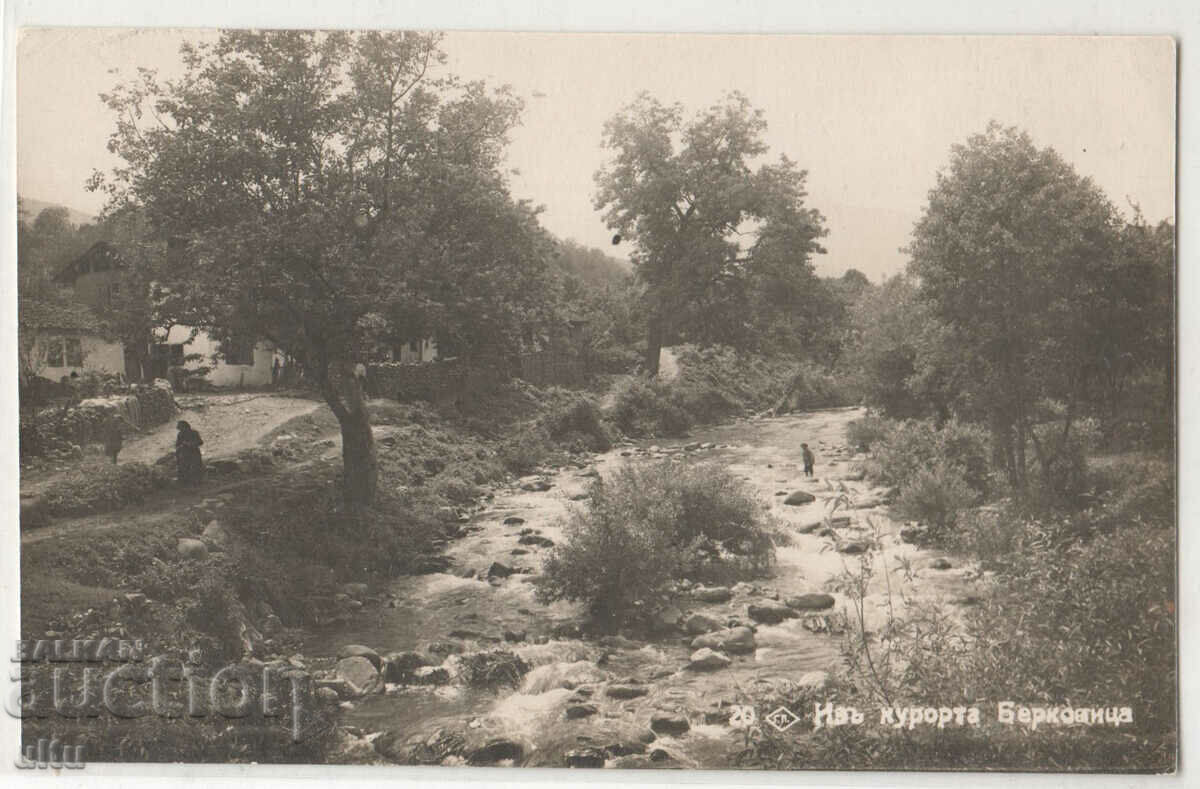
{"points": [[654, 341], [360, 466], [359, 462]]}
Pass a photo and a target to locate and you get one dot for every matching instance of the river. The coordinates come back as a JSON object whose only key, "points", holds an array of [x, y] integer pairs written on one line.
{"points": [[567, 671]]}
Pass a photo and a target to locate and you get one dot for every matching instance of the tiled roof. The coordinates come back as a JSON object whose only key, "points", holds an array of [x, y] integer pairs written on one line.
{"points": [[35, 314]]}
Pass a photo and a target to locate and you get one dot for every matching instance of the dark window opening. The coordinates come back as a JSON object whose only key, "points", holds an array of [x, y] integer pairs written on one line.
{"points": [[74, 352], [54, 352]]}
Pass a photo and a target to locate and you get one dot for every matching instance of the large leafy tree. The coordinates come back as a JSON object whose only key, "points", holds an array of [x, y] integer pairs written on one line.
{"points": [[324, 189], [1020, 258], [707, 228]]}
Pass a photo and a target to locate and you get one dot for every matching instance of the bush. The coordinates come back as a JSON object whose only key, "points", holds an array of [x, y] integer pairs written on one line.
{"points": [[645, 409], [579, 425], [863, 433], [649, 525], [913, 446], [935, 496], [102, 488]]}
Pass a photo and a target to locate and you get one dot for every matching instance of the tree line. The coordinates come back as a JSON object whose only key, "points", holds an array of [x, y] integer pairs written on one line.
{"points": [[334, 191]]}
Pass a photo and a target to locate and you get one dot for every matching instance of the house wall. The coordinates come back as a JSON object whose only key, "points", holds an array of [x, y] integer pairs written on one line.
{"points": [[426, 351], [92, 288], [222, 373], [99, 355]]}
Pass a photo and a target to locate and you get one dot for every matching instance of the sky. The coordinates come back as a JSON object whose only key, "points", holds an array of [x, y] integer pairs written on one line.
{"points": [[872, 119]]}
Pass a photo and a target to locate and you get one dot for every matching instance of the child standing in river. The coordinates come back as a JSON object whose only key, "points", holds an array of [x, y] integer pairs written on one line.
{"points": [[809, 460]]}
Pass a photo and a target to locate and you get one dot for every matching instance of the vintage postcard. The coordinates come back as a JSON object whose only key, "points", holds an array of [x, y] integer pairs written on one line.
{"points": [[703, 402]]}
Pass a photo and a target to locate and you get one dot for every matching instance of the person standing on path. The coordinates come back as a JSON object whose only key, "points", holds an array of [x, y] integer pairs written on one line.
{"points": [[809, 460], [189, 465]]}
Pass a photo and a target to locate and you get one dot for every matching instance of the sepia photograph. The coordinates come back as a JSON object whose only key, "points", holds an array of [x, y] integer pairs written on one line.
{"points": [[762, 402]]}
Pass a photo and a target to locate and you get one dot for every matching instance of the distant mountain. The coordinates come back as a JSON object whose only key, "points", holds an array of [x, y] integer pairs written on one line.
{"points": [[31, 207]]}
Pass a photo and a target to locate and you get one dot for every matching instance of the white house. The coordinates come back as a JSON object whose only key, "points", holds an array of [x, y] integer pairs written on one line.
{"points": [[59, 339], [96, 276]]}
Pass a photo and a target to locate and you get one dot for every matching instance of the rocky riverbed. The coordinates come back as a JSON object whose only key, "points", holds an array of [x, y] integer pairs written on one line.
{"points": [[464, 666]]}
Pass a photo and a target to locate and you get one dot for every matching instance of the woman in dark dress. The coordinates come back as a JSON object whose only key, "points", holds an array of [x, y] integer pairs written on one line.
{"points": [[188, 463]]}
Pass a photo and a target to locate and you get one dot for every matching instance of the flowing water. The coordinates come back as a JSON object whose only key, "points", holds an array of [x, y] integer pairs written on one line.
{"points": [[766, 453]]}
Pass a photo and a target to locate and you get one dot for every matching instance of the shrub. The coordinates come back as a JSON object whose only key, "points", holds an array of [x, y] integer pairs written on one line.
{"points": [[579, 422], [102, 488], [647, 409], [864, 433], [523, 452], [913, 446], [935, 496], [649, 525]]}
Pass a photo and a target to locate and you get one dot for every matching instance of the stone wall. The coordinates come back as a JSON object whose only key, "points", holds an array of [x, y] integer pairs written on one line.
{"points": [[437, 382], [143, 406]]}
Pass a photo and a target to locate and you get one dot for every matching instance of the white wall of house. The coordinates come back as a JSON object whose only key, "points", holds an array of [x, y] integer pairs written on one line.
{"points": [[99, 355], [223, 373], [425, 350]]}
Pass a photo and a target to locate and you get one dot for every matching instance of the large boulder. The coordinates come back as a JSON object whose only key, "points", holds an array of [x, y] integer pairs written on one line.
{"points": [[360, 674], [537, 540], [358, 650], [798, 498], [577, 711], [498, 570], [712, 594], [769, 612], [810, 602], [707, 660], [734, 640]]}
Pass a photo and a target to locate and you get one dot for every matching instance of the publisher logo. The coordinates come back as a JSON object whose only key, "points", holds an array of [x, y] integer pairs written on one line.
{"points": [[782, 719]]}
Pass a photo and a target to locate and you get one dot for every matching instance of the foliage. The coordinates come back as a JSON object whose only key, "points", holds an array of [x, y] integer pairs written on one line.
{"points": [[578, 424], [648, 408], [348, 196], [863, 433], [102, 489], [709, 232], [649, 525], [1031, 270], [935, 496], [913, 446]]}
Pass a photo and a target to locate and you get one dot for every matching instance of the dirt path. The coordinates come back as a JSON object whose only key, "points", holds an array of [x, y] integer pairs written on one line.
{"points": [[228, 424], [463, 604]]}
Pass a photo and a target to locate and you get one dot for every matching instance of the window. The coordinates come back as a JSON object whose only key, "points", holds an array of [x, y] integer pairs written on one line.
{"points": [[238, 351], [54, 352], [74, 352]]}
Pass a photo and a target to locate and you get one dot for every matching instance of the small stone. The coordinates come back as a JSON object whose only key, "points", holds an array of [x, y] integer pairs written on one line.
{"points": [[712, 594], [513, 520], [668, 723], [536, 539], [697, 624], [734, 640], [810, 602], [707, 660], [941, 563], [191, 548], [798, 498], [584, 757], [498, 570], [514, 636], [769, 612], [577, 711]]}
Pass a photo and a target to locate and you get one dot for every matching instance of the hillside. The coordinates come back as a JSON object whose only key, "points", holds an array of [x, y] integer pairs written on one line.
{"points": [[30, 207]]}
